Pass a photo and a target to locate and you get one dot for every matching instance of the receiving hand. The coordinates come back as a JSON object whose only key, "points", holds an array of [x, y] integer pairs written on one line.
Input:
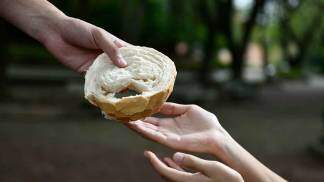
{"points": [[191, 128], [187, 128], [204, 170]]}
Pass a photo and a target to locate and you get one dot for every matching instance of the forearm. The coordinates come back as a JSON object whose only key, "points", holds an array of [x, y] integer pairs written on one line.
{"points": [[242, 161], [35, 17]]}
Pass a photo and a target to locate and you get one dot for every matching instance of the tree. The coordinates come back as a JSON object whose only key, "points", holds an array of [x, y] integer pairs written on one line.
{"points": [[218, 17], [299, 25]]}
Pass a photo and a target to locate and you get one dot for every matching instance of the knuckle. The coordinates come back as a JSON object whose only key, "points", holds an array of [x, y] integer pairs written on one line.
{"points": [[113, 50], [213, 116], [187, 159], [97, 32], [194, 106], [70, 20], [191, 160]]}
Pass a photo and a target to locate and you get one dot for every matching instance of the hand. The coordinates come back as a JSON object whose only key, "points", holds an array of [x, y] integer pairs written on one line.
{"points": [[204, 170], [191, 128], [187, 128], [76, 44], [73, 42]]}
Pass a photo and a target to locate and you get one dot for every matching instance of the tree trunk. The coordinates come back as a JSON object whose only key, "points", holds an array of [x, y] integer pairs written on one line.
{"points": [[237, 64], [238, 49], [304, 41], [209, 52], [295, 62]]}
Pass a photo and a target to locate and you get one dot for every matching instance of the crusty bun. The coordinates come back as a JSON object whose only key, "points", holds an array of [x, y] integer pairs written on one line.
{"points": [[150, 73]]}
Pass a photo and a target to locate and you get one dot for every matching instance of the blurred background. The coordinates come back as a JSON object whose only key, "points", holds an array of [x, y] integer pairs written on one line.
{"points": [[258, 65]]}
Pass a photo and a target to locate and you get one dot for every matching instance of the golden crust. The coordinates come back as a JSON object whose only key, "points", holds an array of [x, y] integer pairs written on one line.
{"points": [[135, 108]]}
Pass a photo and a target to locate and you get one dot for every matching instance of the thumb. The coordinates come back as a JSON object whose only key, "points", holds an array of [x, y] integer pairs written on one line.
{"points": [[191, 162]]}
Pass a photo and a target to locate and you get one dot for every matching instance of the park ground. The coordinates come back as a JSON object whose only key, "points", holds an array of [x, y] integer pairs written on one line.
{"points": [[49, 133]]}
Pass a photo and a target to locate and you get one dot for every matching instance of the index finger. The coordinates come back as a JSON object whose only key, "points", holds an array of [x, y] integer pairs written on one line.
{"points": [[164, 170], [106, 42], [170, 108]]}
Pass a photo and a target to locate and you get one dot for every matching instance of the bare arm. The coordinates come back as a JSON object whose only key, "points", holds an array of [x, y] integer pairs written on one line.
{"points": [[193, 129], [243, 162], [73, 42], [31, 16]]}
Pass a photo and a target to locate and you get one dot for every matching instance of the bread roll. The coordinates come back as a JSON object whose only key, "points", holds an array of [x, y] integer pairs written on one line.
{"points": [[149, 73]]}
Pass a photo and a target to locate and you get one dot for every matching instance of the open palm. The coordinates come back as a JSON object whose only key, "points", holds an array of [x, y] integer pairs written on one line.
{"points": [[187, 128]]}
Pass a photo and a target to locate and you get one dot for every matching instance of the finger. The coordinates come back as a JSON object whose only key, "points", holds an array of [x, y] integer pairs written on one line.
{"points": [[152, 120], [164, 170], [106, 43], [172, 164], [169, 108], [191, 162], [118, 43], [148, 130], [220, 170], [146, 124]]}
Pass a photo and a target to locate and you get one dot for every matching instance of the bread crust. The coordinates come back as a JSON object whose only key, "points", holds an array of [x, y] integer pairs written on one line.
{"points": [[134, 107]]}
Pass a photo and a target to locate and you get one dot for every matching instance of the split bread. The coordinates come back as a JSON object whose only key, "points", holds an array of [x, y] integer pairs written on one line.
{"points": [[149, 73]]}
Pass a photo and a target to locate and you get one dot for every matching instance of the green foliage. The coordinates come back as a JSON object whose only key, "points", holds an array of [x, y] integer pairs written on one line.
{"points": [[106, 14], [29, 53], [300, 20], [219, 65], [317, 59], [184, 22], [163, 23], [292, 74], [155, 25]]}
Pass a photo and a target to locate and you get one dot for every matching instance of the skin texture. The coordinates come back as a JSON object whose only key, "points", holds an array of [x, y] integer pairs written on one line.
{"points": [[187, 128], [206, 171], [76, 43], [193, 129], [73, 42]]}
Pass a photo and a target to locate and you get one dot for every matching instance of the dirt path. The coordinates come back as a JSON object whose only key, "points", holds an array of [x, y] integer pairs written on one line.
{"points": [[42, 139]]}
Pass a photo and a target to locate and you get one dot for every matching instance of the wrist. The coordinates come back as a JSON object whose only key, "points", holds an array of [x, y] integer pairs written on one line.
{"points": [[236, 157], [50, 25], [224, 146]]}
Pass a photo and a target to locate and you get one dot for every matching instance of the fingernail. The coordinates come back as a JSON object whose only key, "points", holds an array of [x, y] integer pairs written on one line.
{"points": [[178, 157], [146, 153], [137, 122], [121, 61]]}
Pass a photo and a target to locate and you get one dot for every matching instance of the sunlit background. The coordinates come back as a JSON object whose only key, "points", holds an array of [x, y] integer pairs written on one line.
{"points": [[258, 65]]}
